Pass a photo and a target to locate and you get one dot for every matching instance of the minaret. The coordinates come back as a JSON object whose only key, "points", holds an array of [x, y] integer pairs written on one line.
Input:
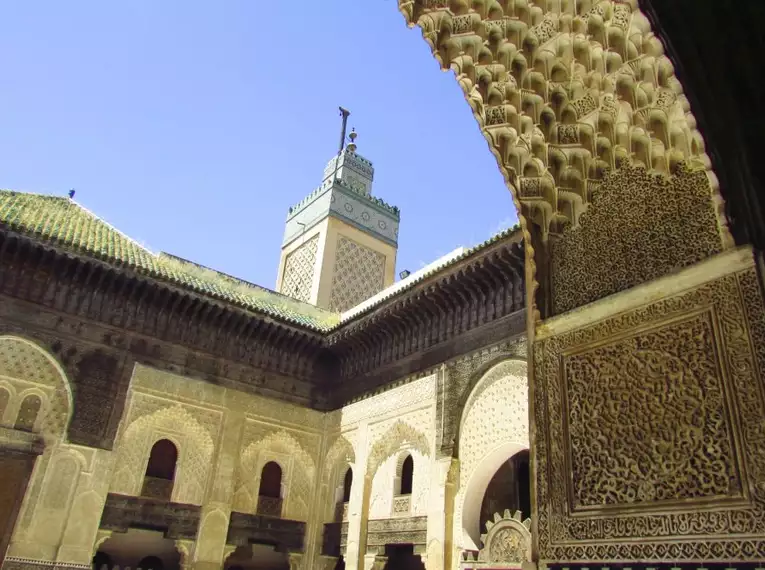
{"points": [[340, 242]]}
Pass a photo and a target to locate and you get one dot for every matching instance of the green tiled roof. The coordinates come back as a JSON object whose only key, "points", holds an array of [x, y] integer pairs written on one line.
{"points": [[65, 223]]}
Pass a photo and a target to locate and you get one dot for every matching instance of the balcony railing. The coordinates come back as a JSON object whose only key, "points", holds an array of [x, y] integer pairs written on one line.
{"points": [[269, 507], [156, 488]]}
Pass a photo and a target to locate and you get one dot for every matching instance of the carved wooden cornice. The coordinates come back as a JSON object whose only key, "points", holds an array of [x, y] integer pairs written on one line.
{"points": [[474, 294], [95, 290], [466, 305]]}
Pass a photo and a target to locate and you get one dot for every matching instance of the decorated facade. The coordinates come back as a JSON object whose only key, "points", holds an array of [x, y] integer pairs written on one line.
{"points": [[584, 390]]}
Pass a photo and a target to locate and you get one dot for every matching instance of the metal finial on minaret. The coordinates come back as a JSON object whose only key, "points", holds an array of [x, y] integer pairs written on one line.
{"points": [[344, 113], [352, 138]]}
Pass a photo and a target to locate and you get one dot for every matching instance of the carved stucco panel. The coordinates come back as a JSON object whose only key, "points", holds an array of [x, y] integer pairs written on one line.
{"points": [[671, 351], [26, 369], [418, 391], [461, 379], [495, 425], [298, 471], [358, 274], [192, 430], [496, 412], [650, 419], [613, 99], [398, 437], [656, 237], [299, 269]]}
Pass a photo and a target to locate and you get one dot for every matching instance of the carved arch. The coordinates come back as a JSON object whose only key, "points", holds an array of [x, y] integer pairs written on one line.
{"points": [[340, 454], [298, 473], [398, 435], [481, 378], [501, 394], [195, 451], [565, 92], [29, 368], [340, 457]]}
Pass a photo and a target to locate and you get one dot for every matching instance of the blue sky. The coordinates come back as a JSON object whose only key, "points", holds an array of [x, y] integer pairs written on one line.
{"points": [[192, 125]]}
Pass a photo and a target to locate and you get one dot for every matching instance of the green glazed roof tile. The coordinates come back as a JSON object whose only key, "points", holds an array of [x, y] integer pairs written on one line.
{"points": [[67, 224]]}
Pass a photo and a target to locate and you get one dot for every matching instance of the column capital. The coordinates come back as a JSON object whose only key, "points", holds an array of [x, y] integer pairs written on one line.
{"points": [[375, 562]]}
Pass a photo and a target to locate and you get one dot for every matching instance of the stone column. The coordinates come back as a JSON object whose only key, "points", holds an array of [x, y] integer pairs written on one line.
{"points": [[358, 504], [375, 562], [440, 515], [327, 562], [296, 560], [436, 531], [213, 524], [85, 513]]}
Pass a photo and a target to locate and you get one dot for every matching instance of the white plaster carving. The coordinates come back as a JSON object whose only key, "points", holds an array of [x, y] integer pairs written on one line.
{"points": [[493, 428]]}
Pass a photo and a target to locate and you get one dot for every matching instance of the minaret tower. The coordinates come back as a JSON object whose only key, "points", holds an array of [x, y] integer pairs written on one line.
{"points": [[340, 242]]}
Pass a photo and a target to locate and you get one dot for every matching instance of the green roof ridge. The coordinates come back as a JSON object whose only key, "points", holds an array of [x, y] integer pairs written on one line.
{"points": [[65, 222]]}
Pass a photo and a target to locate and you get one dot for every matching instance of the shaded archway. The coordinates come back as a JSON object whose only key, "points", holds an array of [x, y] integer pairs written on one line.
{"points": [[139, 548], [256, 557], [493, 428], [509, 489]]}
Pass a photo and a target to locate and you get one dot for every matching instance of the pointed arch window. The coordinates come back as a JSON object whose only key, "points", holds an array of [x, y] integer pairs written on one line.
{"points": [[407, 475], [270, 490], [27, 416], [160, 471]]}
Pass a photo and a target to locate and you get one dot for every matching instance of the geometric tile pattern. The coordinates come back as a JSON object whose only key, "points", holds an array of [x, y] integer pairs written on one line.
{"points": [[359, 274], [299, 269]]}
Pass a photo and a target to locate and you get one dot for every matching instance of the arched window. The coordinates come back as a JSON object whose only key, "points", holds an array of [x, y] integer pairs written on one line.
{"points": [[347, 482], [28, 411], [160, 472], [270, 492], [164, 456], [407, 473], [271, 481]]}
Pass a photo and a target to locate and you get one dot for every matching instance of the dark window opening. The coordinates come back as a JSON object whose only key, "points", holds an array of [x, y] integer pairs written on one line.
{"points": [[271, 481], [347, 482], [407, 474]]}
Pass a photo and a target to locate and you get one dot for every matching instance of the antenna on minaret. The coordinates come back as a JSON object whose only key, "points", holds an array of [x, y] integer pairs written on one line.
{"points": [[344, 114]]}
